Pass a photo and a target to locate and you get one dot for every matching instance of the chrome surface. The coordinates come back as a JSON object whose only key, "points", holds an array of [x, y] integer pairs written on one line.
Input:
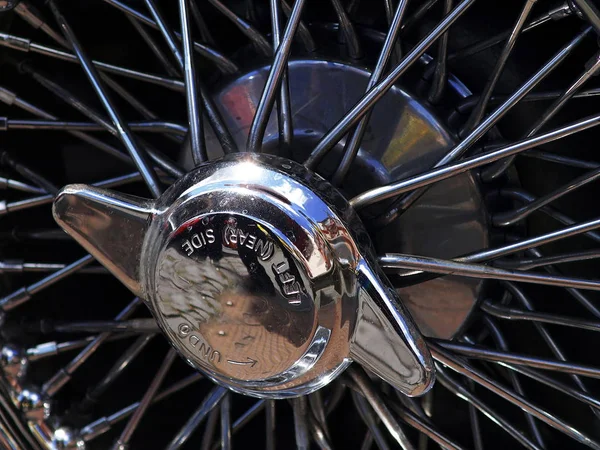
{"points": [[259, 274], [246, 277], [403, 139]]}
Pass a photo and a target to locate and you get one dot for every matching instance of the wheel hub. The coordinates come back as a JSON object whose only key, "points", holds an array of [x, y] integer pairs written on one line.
{"points": [[403, 138], [259, 273]]}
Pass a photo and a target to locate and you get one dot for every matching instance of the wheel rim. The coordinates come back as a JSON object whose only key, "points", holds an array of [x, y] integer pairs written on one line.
{"points": [[488, 378]]}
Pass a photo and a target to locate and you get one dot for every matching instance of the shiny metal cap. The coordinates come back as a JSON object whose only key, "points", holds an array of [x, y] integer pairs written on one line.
{"points": [[258, 272]]}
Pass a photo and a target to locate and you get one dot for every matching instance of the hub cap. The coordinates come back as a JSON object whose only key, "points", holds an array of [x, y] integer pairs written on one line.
{"points": [[259, 273]]}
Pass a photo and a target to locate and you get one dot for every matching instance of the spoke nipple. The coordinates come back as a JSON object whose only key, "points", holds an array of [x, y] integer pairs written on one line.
{"points": [[7, 5], [14, 363], [34, 405], [95, 429], [7, 96], [120, 446], [575, 9], [15, 42], [65, 438]]}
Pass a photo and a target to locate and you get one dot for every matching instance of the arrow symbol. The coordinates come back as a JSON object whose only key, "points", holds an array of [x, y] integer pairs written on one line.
{"points": [[251, 362]]}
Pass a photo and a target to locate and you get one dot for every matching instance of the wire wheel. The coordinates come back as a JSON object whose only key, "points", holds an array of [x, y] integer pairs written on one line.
{"points": [[462, 134]]}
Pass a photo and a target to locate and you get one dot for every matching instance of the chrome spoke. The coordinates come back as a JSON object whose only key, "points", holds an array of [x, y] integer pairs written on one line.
{"points": [[153, 46], [246, 28], [558, 353], [521, 195], [99, 326], [24, 294], [461, 392], [560, 159], [167, 33], [519, 401], [479, 110], [300, 408], [507, 313], [508, 218], [115, 86], [424, 427], [422, 9], [25, 45], [64, 375], [145, 402], [126, 136], [195, 121], [270, 421], [589, 11], [303, 33], [440, 73], [210, 109], [347, 28], [16, 266], [554, 14], [553, 236], [474, 421], [10, 98], [34, 18], [499, 168], [26, 172], [56, 125], [318, 434], [211, 401], [353, 145], [469, 100], [201, 25], [492, 119], [370, 99], [575, 293], [501, 343], [488, 354], [582, 396], [221, 62], [47, 199], [368, 418], [556, 350], [284, 108], [367, 443], [532, 263], [65, 95], [120, 366], [7, 183], [525, 244], [317, 408], [274, 80], [362, 381], [127, 96], [446, 171], [226, 422], [250, 414], [53, 348], [105, 424], [449, 267], [209, 431]]}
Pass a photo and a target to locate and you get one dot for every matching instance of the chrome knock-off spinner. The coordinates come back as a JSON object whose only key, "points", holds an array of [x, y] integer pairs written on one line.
{"points": [[258, 272]]}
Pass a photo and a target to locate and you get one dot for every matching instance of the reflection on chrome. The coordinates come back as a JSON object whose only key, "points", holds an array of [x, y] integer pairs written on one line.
{"points": [[259, 274]]}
